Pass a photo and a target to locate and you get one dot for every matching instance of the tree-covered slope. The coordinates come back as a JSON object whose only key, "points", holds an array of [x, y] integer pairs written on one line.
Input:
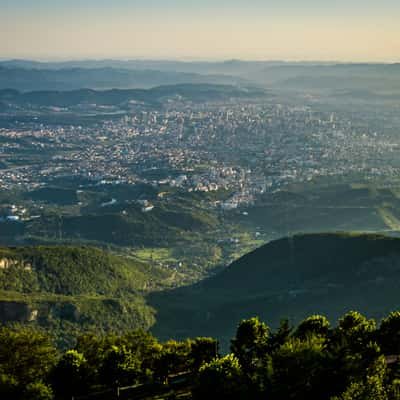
{"points": [[70, 289], [68, 270], [292, 263], [288, 278]]}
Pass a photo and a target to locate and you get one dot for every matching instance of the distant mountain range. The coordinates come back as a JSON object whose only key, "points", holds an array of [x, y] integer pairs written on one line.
{"points": [[28, 75], [289, 278], [193, 92], [231, 67], [99, 78]]}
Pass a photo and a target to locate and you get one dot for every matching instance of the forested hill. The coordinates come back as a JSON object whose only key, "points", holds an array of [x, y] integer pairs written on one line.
{"points": [[69, 290], [291, 262], [69, 270], [288, 278]]}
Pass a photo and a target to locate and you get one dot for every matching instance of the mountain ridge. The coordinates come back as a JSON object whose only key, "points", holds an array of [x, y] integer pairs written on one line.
{"points": [[28, 78], [194, 92], [288, 278]]}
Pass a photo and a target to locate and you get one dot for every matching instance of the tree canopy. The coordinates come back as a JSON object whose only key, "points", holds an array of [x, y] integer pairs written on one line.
{"points": [[354, 359]]}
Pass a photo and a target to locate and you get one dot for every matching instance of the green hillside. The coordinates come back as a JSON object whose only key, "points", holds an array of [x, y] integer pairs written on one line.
{"points": [[73, 289], [109, 215], [288, 278], [69, 290], [311, 208]]}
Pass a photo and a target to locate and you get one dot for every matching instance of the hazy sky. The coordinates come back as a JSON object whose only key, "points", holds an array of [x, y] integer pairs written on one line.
{"points": [[354, 30]]}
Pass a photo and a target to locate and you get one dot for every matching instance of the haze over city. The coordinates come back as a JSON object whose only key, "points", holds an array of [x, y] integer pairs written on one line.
{"points": [[338, 30]]}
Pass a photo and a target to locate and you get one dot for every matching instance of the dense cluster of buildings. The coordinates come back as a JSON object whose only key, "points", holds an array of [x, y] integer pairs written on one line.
{"points": [[245, 148]]}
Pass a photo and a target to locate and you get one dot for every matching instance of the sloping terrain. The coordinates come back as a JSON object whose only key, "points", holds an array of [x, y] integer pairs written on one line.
{"points": [[68, 290], [305, 209], [288, 278]]}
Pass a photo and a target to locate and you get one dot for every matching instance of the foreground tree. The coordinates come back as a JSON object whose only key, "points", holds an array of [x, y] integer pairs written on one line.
{"points": [[173, 357], [355, 331], [371, 387], [278, 338], [202, 350], [389, 334], [221, 379], [316, 325], [70, 376], [120, 367], [299, 369], [250, 343], [26, 358], [26, 355], [38, 391]]}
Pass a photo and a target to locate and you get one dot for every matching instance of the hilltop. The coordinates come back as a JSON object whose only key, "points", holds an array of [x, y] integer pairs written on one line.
{"points": [[288, 278]]}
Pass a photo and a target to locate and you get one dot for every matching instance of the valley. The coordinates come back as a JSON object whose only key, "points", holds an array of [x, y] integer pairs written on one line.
{"points": [[152, 198]]}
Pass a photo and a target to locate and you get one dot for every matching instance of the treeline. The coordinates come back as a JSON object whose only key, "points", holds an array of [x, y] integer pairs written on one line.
{"points": [[354, 360]]}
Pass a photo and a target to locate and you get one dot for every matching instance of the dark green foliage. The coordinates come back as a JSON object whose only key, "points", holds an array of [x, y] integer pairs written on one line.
{"points": [[371, 387], [18, 279], [58, 196], [298, 369], [317, 325], [222, 378], [250, 346], [133, 356], [389, 334], [8, 385], [70, 290], [120, 367], [280, 336], [71, 374], [26, 358], [71, 270], [311, 361], [352, 350], [250, 342], [333, 258], [292, 277], [172, 358], [125, 224], [203, 350], [38, 391], [356, 330]]}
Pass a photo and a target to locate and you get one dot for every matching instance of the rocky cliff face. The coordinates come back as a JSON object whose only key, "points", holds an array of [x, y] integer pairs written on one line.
{"points": [[13, 311], [6, 263]]}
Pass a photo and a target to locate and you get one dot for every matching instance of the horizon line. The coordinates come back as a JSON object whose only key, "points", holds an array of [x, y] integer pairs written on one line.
{"points": [[46, 60]]}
